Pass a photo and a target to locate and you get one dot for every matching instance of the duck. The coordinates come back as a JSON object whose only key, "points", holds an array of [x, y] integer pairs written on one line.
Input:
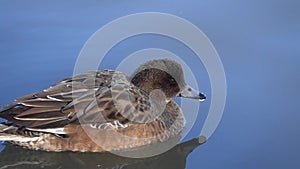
{"points": [[101, 110]]}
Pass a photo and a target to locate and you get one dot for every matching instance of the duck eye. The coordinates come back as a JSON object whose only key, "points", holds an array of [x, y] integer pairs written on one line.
{"points": [[172, 81]]}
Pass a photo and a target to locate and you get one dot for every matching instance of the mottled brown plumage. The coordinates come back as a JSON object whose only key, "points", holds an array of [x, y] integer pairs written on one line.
{"points": [[100, 111]]}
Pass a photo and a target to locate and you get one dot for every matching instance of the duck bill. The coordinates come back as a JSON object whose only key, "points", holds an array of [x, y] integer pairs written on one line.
{"points": [[191, 93]]}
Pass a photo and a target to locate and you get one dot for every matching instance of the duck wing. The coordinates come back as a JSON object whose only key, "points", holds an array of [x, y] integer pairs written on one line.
{"points": [[98, 98]]}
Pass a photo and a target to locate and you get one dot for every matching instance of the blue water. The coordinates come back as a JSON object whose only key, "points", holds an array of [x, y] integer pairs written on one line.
{"points": [[258, 42]]}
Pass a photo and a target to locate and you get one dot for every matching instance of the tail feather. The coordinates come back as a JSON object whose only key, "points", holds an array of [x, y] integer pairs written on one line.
{"points": [[16, 138], [3, 128], [5, 111], [9, 106], [7, 134]]}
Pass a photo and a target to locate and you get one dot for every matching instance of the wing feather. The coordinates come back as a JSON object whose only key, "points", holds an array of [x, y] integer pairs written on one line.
{"points": [[92, 97]]}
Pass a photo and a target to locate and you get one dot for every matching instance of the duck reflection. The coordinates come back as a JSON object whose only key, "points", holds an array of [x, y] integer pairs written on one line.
{"points": [[16, 157]]}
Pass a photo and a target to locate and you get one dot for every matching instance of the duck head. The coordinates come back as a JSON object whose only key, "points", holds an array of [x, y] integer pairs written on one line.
{"points": [[165, 75]]}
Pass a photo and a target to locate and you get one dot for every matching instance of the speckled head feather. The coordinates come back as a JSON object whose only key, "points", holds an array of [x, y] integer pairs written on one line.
{"points": [[163, 74]]}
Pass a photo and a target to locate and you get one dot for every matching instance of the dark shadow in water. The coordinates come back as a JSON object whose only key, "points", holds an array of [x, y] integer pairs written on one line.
{"points": [[16, 157]]}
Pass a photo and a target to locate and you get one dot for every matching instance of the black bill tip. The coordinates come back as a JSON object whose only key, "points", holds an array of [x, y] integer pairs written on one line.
{"points": [[202, 96]]}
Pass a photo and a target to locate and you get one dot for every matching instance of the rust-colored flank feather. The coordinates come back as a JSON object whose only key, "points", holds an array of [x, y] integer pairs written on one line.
{"points": [[101, 110]]}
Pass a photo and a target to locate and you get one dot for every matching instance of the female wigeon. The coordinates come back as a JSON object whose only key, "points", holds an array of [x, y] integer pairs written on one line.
{"points": [[101, 110]]}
